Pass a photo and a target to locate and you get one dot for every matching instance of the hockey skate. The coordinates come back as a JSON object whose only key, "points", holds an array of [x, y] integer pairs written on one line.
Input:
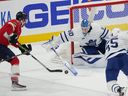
{"points": [[122, 91], [18, 87]]}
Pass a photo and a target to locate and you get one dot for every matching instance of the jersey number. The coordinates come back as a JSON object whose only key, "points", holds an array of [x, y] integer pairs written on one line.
{"points": [[112, 43]]}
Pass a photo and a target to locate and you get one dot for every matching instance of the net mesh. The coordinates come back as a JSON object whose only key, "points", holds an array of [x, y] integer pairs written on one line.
{"points": [[110, 14], [104, 12]]}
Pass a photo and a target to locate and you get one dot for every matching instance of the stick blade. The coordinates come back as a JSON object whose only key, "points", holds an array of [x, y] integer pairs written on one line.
{"points": [[56, 70], [71, 68]]}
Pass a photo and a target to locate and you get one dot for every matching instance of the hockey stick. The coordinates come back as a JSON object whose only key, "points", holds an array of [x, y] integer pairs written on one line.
{"points": [[50, 70], [71, 68]]}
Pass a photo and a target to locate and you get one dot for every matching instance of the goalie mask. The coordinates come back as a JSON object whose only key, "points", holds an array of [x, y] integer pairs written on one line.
{"points": [[85, 26]]}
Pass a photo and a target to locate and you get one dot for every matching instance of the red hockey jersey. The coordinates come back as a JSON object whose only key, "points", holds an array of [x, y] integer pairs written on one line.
{"points": [[9, 28]]}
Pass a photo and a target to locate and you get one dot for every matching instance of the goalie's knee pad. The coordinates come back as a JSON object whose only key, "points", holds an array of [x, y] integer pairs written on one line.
{"points": [[14, 61]]}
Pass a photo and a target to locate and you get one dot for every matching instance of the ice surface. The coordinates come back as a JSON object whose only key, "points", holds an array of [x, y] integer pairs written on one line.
{"points": [[40, 82], [39, 87]]}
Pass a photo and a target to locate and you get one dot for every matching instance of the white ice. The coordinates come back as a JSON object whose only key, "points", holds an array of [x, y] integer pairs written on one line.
{"points": [[40, 82]]}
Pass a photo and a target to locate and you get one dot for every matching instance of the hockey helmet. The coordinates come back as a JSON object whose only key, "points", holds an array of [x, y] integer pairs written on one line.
{"points": [[85, 24], [21, 16]]}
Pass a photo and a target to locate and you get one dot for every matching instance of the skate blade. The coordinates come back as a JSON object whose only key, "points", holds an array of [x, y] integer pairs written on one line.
{"points": [[18, 89]]}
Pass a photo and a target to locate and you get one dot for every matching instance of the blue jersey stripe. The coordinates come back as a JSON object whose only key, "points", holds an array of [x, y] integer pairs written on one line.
{"points": [[62, 37], [116, 52], [114, 86], [65, 36], [84, 51], [105, 34]]}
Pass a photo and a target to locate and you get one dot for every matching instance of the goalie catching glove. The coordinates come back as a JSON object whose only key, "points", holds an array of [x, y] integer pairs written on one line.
{"points": [[25, 49]]}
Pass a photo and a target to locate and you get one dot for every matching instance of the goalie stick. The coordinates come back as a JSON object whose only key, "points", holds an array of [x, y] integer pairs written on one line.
{"points": [[50, 70], [71, 68]]}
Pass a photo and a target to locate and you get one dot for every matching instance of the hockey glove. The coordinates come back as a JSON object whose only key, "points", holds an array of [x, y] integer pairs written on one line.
{"points": [[25, 49], [13, 39]]}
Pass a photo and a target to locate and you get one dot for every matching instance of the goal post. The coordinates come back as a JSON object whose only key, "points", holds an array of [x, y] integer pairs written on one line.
{"points": [[77, 14]]}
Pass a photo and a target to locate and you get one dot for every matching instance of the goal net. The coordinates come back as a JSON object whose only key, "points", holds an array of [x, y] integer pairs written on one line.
{"points": [[110, 14]]}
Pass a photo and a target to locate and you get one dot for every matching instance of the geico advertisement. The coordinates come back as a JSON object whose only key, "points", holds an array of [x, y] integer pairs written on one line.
{"points": [[53, 15]]}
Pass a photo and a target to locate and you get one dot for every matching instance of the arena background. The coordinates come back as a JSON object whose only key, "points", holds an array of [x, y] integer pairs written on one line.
{"points": [[50, 17]]}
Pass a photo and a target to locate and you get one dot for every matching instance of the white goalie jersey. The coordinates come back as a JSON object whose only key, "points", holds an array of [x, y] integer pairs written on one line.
{"points": [[94, 36]]}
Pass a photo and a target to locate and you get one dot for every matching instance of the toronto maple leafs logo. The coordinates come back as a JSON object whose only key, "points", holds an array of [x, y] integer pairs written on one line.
{"points": [[91, 43]]}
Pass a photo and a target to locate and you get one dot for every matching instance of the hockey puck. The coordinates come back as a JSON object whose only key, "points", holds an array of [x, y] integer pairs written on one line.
{"points": [[66, 71]]}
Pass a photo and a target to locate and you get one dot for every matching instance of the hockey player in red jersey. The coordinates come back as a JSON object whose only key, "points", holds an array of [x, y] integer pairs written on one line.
{"points": [[9, 35]]}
